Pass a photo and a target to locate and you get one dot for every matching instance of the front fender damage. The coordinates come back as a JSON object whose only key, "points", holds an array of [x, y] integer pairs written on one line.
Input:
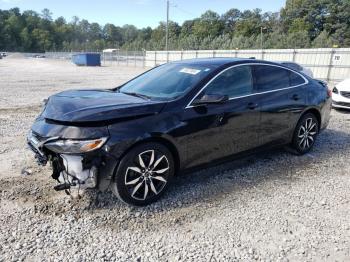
{"points": [[76, 173]]}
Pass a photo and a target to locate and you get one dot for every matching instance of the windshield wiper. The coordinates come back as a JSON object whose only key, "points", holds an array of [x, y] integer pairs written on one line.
{"points": [[137, 95]]}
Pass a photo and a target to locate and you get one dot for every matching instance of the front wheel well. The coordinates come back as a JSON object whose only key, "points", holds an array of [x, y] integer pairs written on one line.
{"points": [[172, 148]]}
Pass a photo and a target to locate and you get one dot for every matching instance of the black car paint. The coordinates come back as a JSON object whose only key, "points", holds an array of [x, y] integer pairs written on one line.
{"points": [[195, 135], [84, 106]]}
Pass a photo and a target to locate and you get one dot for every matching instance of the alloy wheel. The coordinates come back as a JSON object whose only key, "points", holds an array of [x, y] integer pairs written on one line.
{"points": [[307, 134], [148, 176]]}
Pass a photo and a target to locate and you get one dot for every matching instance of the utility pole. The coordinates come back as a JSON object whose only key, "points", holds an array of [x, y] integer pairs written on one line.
{"points": [[261, 36], [167, 26]]}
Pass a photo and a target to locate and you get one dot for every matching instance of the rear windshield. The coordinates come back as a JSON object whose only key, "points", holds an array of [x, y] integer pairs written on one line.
{"points": [[168, 81]]}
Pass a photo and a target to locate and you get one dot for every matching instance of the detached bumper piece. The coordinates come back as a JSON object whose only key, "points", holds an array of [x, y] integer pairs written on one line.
{"points": [[62, 187]]}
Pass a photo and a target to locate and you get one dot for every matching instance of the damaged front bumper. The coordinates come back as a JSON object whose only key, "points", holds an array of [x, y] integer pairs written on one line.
{"points": [[74, 174], [74, 171]]}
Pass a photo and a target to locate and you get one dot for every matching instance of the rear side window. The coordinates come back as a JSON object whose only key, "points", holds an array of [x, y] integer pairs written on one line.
{"points": [[272, 77], [234, 82], [296, 79]]}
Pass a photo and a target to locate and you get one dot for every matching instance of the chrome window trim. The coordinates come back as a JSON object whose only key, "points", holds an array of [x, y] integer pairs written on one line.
{"points": [[259, 93]]}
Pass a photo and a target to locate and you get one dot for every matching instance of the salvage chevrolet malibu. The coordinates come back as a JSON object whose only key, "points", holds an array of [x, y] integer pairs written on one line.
{"points": [[133, 139]]}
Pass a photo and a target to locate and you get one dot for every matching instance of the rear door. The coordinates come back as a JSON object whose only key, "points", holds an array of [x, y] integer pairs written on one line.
{"points": [[281, 94], [219, 130]]}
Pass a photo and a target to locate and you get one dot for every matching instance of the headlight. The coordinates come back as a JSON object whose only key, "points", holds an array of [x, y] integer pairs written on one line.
{"points": [[75, 146], [335, 90]]}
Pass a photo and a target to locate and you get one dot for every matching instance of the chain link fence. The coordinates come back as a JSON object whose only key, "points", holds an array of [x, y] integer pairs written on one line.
{"points": [[124, 58], [118, 58]]}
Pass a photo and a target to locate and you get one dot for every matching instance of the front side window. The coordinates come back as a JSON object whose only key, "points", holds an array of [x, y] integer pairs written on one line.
{"points": [[168, 81], [234, 82]]}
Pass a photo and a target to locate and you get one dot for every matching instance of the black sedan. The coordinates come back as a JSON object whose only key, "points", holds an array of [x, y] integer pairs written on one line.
{"points": [[135, 138]]}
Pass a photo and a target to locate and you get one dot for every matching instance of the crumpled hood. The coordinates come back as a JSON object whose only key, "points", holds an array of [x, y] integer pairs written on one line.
{"points": [[97, 105]]}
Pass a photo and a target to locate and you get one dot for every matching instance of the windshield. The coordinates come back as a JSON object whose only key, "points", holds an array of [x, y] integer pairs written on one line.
{"points": [[166, 82]]}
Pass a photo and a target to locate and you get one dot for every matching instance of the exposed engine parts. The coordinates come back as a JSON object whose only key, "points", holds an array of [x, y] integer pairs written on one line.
{"points": [[75, 173], [71, 173]]}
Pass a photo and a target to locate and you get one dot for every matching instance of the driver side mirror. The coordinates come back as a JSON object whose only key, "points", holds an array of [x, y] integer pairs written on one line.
{"points": [[210, 99]]}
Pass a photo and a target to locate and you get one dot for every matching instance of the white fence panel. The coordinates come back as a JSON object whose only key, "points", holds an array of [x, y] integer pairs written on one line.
{"points": [[326, 63]]}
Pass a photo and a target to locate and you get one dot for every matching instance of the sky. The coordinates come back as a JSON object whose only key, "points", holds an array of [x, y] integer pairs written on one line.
{"points": [[141, 13]]}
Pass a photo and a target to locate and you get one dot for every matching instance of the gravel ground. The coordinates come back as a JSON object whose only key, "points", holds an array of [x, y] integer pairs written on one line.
{"points": [[268, 207]]}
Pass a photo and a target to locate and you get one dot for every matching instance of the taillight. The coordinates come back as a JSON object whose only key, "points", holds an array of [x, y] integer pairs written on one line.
{"points": [[329, 92]]}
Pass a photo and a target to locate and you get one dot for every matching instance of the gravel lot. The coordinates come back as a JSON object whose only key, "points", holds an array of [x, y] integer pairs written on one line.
{"points": [[268, 207]]}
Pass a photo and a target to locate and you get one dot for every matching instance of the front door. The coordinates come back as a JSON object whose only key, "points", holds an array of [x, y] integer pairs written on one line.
{"points": [[220, 130]]}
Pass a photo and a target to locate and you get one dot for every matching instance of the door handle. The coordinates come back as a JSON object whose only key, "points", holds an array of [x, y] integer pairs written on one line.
{"points": [[252, 106], [295, 97]]}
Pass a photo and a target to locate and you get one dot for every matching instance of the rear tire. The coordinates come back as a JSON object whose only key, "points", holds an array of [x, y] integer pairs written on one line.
{"points": [[305, 134], [144, 174]]}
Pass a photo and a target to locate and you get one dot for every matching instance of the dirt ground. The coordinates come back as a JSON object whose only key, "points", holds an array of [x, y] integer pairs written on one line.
{"points": [[272, 206]]}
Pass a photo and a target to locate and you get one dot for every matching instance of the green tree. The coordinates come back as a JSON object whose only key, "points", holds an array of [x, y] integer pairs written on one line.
{"points": [[249, 24], [298, 40], [300, 24], [322, 40], [230, 19], [209, 25]]}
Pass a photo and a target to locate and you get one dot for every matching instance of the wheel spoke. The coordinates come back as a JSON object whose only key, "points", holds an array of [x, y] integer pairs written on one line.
{"points": [[153, 187], [146, 191], [304, 143], [142, 164], [136, 188], [136, 169], [310, 123], [161, 171], [158, 161], [312, 133], [133, 182], [301, 132], [159, 178], [301, 141], [152, 158], [312, 127], [307, 142], [311, 138]]}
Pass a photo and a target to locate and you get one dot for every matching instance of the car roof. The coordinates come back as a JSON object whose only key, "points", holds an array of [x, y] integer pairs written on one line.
{"points": [[221, 61], [287, 62]]}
